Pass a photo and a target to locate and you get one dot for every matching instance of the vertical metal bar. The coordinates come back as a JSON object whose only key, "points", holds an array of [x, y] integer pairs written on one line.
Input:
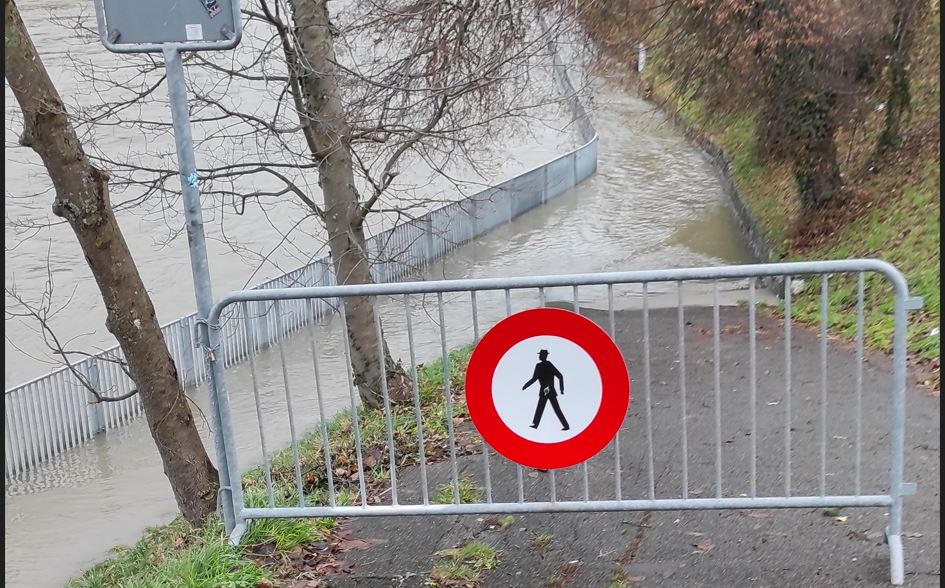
{"points": [[787, 385], [519, 475], [447, 392], [897, 433], [55, 415], [88, 412], [682, 389], [180, 114], [323, 425], [109, 376], [21, 407], [823, 385], [386, 394], [356, 421], [57, 420], [421, 443], [577, 309], [651, 484], [753, 488], [288, 403], [32, 420], [618, 493], [69, 410], [267, 468], [10, 422], [44, 420], [8, 459], [860, 287], [718, 388], [485, 446], [63, 386]]}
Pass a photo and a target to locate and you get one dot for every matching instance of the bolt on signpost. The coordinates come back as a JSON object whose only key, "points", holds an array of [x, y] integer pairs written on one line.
{"points": [[146, 26]]}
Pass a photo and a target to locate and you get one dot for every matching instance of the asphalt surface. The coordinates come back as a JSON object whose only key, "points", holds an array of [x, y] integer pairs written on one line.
{"points": [[797, 547]]}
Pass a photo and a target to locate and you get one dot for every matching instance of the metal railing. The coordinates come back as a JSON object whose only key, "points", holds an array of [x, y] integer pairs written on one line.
{"points": [[53, 413], [678, 339]]}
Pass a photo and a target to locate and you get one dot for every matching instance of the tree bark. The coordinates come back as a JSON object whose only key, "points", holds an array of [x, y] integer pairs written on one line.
{"points": [[905, 20], [82, 199], [330, 142]]}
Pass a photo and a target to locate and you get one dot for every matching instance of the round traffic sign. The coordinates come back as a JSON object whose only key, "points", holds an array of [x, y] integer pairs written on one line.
{"points": [[547, 388]]}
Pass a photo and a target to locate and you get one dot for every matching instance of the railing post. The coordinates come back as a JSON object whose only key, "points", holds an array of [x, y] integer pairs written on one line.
{"points": [[95, 412], [186, 367], [262, 325], [428, 234], [474, 216]]}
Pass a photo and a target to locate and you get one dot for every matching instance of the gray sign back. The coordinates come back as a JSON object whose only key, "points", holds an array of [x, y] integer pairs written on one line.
{"points": [[137, 22]]}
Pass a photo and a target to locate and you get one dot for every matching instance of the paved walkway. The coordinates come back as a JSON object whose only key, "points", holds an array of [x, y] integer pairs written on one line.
{"points": [[710, 548]]}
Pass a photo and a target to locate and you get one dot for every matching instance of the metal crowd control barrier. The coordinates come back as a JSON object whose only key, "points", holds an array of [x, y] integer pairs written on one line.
{"points": [[474, 306]]}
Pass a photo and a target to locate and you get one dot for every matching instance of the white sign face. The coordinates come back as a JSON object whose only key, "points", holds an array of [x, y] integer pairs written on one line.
{"points": [[541, 413]]}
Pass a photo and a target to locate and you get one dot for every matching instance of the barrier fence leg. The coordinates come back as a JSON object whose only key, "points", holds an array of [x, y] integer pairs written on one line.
{"points": [[896, 485]]}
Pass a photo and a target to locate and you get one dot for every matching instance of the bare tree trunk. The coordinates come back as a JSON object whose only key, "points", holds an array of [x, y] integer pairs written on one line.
{"points": [[905, 20], [82, 199], [330, 141]]}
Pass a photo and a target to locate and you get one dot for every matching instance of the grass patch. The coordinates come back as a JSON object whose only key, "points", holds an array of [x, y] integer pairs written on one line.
{"points": [[467, 493], [463, 566], [178, 555], [541, 540], [506, 522]]}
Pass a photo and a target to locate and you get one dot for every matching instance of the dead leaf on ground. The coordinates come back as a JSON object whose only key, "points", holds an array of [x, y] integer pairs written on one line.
{"points": [[704, 546], [353, 544]]}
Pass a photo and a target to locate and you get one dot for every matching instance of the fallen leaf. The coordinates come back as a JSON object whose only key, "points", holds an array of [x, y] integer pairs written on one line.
{"points": [[350, 544], [264, 583], [913, 535], [841, 519], [694, 533], [704, 546]]}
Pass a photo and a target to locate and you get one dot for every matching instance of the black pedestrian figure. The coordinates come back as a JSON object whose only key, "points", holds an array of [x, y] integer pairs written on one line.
{"points": [[545, 373]]}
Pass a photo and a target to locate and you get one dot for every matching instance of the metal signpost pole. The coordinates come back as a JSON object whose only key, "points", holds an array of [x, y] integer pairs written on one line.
{"points": [[180, 114], [145, 26]]}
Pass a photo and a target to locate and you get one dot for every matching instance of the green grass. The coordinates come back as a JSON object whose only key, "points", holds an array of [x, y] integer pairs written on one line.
{"points": [[463, 566], [468, 493], [506, 522], [178, 555], [541, 540]]}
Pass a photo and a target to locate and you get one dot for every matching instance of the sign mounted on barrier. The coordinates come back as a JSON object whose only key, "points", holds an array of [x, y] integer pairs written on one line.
{"points": [[547, 388]]}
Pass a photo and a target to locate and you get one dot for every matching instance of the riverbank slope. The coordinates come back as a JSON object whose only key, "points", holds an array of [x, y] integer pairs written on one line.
{"points": [[891, 210]]}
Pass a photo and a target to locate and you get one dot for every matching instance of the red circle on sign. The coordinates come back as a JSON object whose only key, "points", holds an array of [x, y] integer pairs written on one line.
{"points": [[615, 387]]}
